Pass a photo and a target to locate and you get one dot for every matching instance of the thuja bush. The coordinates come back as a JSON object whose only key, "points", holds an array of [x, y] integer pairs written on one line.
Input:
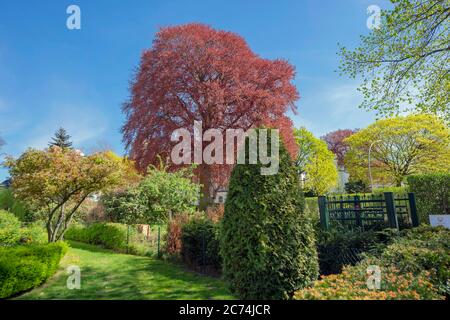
{"points": [[266, 241]]}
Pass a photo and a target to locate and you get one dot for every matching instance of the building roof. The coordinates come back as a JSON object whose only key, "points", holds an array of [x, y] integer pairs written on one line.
{"points": [[6, 183]]}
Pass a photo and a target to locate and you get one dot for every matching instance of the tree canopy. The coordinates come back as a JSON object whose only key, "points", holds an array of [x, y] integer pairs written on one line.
{"points": [[405, 63], [57, 181], [315, 162], [335, 142], [157, 198], [196, 73], [401, 146]]}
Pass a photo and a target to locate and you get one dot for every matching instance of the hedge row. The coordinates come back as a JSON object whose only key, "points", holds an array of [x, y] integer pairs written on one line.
{"points": [[200, 244], [25, 267], [432, 194], [114, 236]]}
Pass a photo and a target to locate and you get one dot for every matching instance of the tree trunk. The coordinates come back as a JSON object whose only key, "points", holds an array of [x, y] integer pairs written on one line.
{"points": [[205, 191]]}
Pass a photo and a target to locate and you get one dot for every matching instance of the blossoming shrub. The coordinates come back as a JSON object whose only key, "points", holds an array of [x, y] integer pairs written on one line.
{"points": [[351, 284], [415, 265], [423, 248]]}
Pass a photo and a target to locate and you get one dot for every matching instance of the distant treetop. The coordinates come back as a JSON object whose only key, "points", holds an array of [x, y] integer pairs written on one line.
{"points": [[61, 139]]}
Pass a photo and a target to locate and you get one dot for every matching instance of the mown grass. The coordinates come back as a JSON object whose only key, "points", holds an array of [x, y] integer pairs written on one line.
{"points": [[109, 275]]}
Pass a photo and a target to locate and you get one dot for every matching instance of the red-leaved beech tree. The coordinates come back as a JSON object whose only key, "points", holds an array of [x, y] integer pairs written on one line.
{"points": [[196, 73], [335, 142]]}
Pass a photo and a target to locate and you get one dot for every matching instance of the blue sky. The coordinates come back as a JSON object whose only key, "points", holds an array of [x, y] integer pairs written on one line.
{"points": [[51, 76]]}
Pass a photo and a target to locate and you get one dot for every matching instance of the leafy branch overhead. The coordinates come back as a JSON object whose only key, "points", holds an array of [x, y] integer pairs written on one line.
{"points": [[404, 65]]}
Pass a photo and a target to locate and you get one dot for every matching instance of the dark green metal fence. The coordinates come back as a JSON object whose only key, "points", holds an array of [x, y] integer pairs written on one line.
{"points": [[369, 211]]}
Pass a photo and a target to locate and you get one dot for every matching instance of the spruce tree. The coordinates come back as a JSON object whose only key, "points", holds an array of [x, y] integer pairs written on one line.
{"points": [[61, 139]]}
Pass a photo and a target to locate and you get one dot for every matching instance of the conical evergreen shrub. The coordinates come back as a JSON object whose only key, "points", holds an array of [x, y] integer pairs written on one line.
{"points": [[267, 242]]}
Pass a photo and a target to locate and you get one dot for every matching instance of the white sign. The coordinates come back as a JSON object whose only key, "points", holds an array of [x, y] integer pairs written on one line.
{"points": [[440, 220]]}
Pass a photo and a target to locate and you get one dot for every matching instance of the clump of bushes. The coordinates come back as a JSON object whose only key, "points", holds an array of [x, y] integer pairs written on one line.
{"points": [[351, 284], [342, 246], [200, 244], [267, 243], [11, 204], [114, 236], [25, 267], [215, 212], [173, 235], [432, 194], [418, 249], [357, 186], [12, 232], [415, 265]]}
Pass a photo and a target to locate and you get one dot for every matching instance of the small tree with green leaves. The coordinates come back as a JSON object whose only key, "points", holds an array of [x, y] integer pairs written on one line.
{"points": [[56, 182], [157, 198], [167, 193]]}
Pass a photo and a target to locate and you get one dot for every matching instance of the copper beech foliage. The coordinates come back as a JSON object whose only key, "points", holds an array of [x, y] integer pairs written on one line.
{"points": [[194, 72], [336, 143]]}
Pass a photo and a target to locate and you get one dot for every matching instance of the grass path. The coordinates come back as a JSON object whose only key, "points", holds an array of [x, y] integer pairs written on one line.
{"points": [[109, 275]]}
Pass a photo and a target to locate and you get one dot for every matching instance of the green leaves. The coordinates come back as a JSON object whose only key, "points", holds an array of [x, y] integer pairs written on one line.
{"points": [[267, 242], [158, 196], [432, 193], [316, 162], [400, 146], [404, 64], [58, 180]]}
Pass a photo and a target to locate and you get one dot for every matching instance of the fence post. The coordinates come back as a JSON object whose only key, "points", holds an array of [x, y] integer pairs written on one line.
{"points": [[159, 238], [203, 252], [357, 207], [390, 209], [128, 236], [413, 209], [323, 209]]}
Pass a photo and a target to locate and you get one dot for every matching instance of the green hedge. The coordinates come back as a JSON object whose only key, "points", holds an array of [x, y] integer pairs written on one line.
{"points": [[432, 194], [200, 244], [342, 246], [109, 235], [12, 232], [25, 267]]}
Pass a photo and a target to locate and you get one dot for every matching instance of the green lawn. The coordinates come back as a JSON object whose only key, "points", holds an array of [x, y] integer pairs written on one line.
{"points": [[109, 275]]}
